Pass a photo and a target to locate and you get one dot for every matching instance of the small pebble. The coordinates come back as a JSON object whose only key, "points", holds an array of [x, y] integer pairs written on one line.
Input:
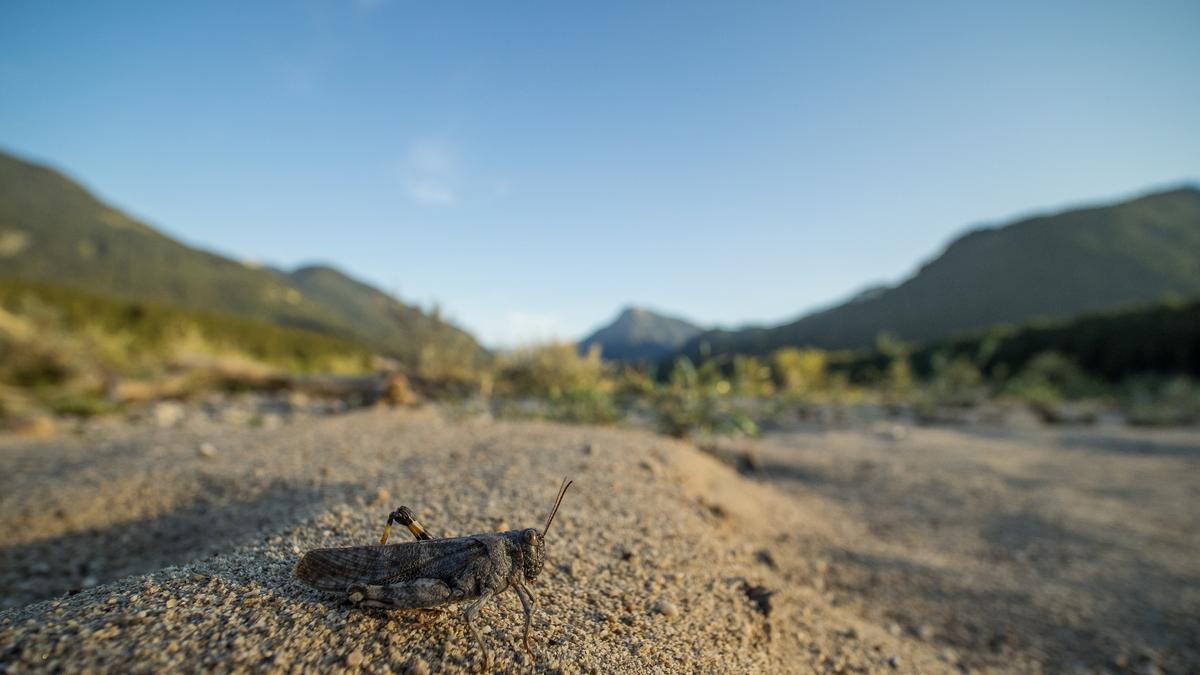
{"points": [[355, 658], [666, 608], [207, 450]]}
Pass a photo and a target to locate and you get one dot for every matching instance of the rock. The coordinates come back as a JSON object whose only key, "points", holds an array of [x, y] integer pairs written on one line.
{"points": [[666, 608], [926, 632], [271, 421], [748, 462], [235, 415], [398, 392], [381, 498], [207, 450], [355, 658], [127, 391], [167, 413], [761, 597], [30, 426]]}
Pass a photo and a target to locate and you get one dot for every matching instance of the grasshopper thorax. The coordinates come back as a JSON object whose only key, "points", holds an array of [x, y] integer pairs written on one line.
{"points": [[533, 552]]}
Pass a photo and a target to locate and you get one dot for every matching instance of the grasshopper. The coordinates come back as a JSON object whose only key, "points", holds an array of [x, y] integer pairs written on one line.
{"points": [[430, 572]]}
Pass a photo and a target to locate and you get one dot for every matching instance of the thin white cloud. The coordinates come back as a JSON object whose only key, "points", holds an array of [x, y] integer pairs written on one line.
{"points": [[430, 173]]}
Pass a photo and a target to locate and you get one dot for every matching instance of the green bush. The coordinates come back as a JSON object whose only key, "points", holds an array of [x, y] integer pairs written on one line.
{"points": [[1051, 378], [554, 381], [83, 404], [1151, 401], [800, 371], [956, 382], [550, 371], [584, 406], [698, 401]]}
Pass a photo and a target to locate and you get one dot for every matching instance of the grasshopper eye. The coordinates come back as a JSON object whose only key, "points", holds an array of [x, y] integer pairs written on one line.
{"points": [[530, 536]]}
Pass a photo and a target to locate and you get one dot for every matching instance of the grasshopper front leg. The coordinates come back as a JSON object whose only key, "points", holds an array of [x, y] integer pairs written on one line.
{"points": [[405, 517], [469, 614], [526, 604]]}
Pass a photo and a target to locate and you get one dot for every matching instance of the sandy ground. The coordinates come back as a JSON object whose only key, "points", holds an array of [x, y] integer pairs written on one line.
{"points": [[649, 568], [1026, 549], [926, 551]]}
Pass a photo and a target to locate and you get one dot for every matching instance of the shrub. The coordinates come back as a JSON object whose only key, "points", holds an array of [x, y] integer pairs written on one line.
{"points": [[584, 406], [800, 371], [551, 370], [1050, 378], [751, 377], [697, 401], [955, 382], [1152, 401]]}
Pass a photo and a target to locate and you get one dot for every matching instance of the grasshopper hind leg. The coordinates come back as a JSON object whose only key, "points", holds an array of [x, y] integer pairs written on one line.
{"points": [[417, 594], [405, 517]]}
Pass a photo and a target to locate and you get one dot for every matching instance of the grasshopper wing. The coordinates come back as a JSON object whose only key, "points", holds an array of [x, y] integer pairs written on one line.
{"points": [[334, 569]]}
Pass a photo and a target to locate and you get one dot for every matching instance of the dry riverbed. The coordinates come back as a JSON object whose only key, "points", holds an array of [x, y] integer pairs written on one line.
{"points": [[149, 549]]}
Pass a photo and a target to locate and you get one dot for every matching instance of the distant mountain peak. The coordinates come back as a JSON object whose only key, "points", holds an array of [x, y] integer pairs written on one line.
{"points": [[640, 334]]}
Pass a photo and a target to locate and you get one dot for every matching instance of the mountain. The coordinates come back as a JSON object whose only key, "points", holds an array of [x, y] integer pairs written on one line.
{"points": [[640, 335], [379, 319], [1047, 267], [54, 231]]}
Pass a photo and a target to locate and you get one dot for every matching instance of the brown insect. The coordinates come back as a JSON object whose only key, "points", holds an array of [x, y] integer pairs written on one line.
{"points": [[431, 572]]}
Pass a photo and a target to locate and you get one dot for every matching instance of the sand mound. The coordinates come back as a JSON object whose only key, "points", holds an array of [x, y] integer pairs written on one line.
{"points": [[183, 544]]}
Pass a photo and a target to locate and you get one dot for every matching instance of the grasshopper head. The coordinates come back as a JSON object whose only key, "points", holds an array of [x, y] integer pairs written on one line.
{"points": [[533, 543], [533, 553]]}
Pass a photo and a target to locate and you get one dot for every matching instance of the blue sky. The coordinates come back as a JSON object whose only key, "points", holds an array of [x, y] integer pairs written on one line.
{"points": [[533, 167]]}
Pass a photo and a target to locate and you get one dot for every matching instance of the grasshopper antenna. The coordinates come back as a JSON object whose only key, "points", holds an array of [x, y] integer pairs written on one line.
{"points": [[562, 490]]}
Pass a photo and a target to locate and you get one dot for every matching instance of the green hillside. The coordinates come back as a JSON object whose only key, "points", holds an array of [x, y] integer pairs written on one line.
{"points": [[403, 331], [640, 335], [1048, 267], [54, 231], [134, 338]]}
